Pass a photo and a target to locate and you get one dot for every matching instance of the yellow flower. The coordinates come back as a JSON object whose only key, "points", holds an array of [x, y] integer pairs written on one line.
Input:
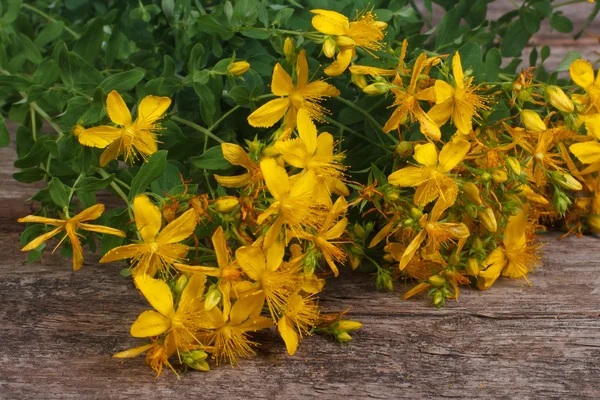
{"points": [[364, 32], [460, 102], [157, 355], [275, 280], [431, 179], [236, 155], [139, 134], [70, 226], [227, 272], [183, 322], [293, 200], [229, 337], [328, 231], [587, 153], [298, 318], [513, 260], [582, 74], [293, 97], [158, 251], [314, 153], [436, 234], [407, 103]]}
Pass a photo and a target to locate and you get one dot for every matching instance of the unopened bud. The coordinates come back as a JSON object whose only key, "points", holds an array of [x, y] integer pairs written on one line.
{"points": [[477, 244], [376, 89], [559, 99], [181, 284], [472, 192], [288, 47], [212, 299], [416, 213], [345, 42], [226, 204], [499, 176], [348, 325], [329, 48], [486, 177], [514, 165], [438, 298], [472, 267], [359, 80], [488, 220], [77, 129], [566, 180], [359, 231], [437, 280], [344, 337], [532, 121], [238, 68], [404, 149]]}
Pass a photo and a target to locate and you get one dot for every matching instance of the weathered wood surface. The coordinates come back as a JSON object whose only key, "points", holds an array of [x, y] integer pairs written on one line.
{"points": [[59, 328]]}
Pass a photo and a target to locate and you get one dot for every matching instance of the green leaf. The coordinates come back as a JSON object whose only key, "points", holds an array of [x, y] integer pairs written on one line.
{"points": [[51, 32], [531, 19], [212, 159], [545, 52], [568, 60], [561, 23], [4, 136], [58, 193], [30, 50], [208, 24], [15, 82], [29, 175], [515, 39], [197, 59], [448, 28], [493, 60], [123, 81], [240, 94], [89, 44], [471, 59], [12, 11], [153, 168], [91, 183], [208, 107]]}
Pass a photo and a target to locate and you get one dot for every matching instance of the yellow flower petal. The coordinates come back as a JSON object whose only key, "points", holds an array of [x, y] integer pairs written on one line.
{"points": [[89, 214], [252, 261], [117, 109], [372, 71], [452, 154], [193, 291], [145, 143], [268, 114], [301, 70], [428, 127], [337, 230], [582, 73], [235, 181], [111, 152], [307, 130], [586, 152], [441, 112], [157, 293], [457, 70], [236, 155], [276, 178], [426, 154], [75, 247], [294, 152], [288, 334], [244, 308], [150, 323], [129, 353], [179, 229], [412, 248], [330, 22], [274, 256], [220, 246], [409, 176], [281, 83], [41, 239], [99, 136], [443, 91], [150, 110], [123, 252], [102, 229], [495, 262], [147, 217], [463, 116], [43, 220], [341, 62]]}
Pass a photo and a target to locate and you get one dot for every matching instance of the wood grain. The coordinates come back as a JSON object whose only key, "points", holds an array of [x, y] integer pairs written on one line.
{"points": [[59, 328]]}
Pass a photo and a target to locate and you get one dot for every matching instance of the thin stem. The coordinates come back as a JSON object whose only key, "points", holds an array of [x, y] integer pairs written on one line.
{"points": [[46, 117], [566, 3], [197, 127], [368, 116], [353, 132], [121, 194], [81, 175], [227, 114], [33, 127], [206, 177], [49, 18], [120, 182]]}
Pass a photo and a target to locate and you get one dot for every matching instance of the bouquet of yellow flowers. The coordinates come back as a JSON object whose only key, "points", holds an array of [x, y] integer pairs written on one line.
{"points": [[247, 172]]}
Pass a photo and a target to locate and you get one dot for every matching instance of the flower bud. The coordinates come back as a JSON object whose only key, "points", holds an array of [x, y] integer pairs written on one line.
{"points": [[472, 267], [477, 244], [594, 223], [359, 231], [345, 42], [438, 298], [288, 47], [486, 177], [566, 180], [436, 280], [226, 204], [180, 284], [559, 99], [488, 220], [348, 325], [499, 176], [380, 25], [212, 299], [270, 151], [532, 121], [416, 213], [238, 68], [77, 129], [514, 165], [404, 149], [472, 192], [344, 337], [359, 80], [329, 47], [376, 89]]}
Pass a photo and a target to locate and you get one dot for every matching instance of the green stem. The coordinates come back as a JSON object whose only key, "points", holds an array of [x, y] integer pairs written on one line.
{"points": [[81, 175], [354, 133], [197, 127], [566, 3], [33, 127], [308, 35], [264, 96], [368, 116], [47, 118], [120, 192], [227, 114], [206, 177], [49, 18], [120, 182]]}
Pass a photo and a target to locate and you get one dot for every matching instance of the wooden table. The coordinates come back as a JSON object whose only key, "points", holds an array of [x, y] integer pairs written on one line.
{"points": [[59, 328]]}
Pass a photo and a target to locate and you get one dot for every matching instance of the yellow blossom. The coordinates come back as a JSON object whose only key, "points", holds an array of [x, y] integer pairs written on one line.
{"points": [[70, 226], [236, 155], [459, 102], [582, 74], [430, 178], [303, 94], [139, 135], [364, 32], [298, 318], [587, 153], [158, 251]]}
